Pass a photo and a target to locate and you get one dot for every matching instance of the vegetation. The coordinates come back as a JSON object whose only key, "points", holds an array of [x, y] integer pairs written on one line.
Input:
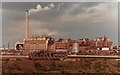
{"points": [[83, 65]]}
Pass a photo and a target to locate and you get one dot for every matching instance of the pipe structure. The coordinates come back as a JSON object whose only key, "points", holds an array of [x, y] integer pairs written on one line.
{"points": [[27, 25]]}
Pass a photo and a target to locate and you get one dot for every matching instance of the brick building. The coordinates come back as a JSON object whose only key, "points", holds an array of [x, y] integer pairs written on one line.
{"points": [[48, 43], [62, 44], [101, 42], [37, 42], [84, 43]]}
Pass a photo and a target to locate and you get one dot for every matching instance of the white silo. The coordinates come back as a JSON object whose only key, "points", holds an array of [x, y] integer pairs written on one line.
{"points": [[76, 48]]}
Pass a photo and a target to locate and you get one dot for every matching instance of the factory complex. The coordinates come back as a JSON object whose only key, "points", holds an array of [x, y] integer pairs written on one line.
{"points": [[46, 47], [47, 43]]}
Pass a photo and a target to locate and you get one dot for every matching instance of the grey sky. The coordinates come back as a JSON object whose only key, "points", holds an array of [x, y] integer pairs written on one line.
{"points": [[59, 0], [68, 20]]}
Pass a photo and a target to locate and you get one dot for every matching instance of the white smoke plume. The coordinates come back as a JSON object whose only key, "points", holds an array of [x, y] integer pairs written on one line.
{"points": [[52, 33], [40, 8]]}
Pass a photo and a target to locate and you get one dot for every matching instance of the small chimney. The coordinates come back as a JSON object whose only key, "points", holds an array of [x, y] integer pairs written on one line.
{"points": [[27, 25]]}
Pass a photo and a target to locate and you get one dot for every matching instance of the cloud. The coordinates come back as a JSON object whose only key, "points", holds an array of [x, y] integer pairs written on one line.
{"points": [[72, 20], [60, 5]]}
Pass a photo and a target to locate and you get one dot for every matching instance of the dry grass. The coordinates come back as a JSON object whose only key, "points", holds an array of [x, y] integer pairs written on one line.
{"points": [[83, 65]]}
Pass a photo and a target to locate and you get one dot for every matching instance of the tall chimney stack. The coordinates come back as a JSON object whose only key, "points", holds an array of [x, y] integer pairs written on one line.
{"points": [[27, 25]]}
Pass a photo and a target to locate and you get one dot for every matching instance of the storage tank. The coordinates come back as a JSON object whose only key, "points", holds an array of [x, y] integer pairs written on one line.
{"points": [[76, 48]]}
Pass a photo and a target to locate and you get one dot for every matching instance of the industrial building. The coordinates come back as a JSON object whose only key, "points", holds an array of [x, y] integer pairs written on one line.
{"points": [[101, 42]]}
